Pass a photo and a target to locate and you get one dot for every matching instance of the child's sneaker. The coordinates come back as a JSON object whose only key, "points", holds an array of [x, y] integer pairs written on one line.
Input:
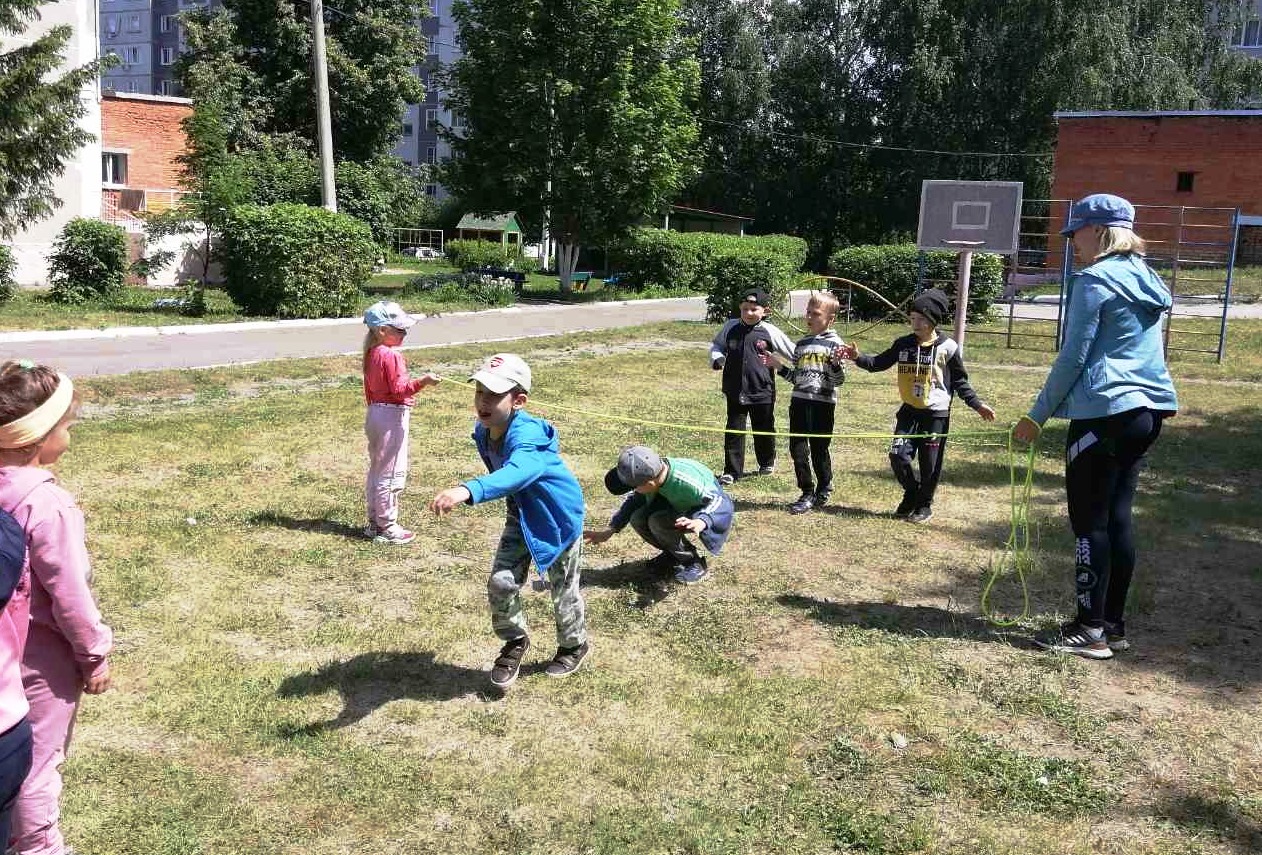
{"points": [[1115, 635], [920, 515], [727, 479], [1076, 639], [821, 498], [395, 535], [567, 660], [805, 502], [692, 574], [905, 507], [769, 469], [508, 664], [369, 531]]}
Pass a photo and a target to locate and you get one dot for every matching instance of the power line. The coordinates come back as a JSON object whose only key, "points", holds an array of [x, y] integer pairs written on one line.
{"points": [[879, 147]]}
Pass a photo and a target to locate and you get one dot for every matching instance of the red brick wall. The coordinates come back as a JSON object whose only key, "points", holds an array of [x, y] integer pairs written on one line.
{"points": [[1140, 158], [150, 131]]}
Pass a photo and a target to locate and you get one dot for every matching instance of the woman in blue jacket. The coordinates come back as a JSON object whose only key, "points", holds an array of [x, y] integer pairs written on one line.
{"points": [[1110, 380]]}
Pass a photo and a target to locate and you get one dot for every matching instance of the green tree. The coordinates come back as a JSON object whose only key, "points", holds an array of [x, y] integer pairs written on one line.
{"points": [[40, 107], [593, 100]]}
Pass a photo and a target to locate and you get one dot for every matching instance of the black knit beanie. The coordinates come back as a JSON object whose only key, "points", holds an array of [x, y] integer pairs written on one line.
{"points": [[931, 303]]}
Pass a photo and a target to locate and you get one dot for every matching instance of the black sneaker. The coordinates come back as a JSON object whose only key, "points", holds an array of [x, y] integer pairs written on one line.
{"points": [[769, 469], [1115, 635], [805, 502], [905, 507], [567, 660], [920, 515], [821, 498], [727, 479], [508, 663], [1075, 638]]}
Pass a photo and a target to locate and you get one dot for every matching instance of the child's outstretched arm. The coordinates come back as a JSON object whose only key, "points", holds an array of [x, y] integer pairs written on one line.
{"points": [[597, 535], [449, 498]]}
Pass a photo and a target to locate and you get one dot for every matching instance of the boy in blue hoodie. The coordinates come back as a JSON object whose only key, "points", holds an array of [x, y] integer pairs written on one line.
{"points": [[545, 517]]}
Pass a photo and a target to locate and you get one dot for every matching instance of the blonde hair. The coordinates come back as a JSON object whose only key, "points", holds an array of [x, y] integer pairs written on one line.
{"points": [[826, 300], [374, 337], [1119, 240]]}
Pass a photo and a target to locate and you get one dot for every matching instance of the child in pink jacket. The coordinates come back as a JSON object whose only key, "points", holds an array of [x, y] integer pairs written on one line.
{"points": [[68, 644]]}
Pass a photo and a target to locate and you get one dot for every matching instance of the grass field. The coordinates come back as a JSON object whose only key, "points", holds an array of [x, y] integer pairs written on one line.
{"points": [[283, 686]]}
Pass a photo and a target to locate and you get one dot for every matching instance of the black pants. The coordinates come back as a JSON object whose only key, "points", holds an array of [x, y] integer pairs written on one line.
{"points": [[1103, 459], [15, 763], [811, 454], [918, 488], [764, 418]]}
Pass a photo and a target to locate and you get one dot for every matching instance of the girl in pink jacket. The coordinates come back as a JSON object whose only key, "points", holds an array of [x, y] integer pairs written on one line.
{"points": [[68, 644]]}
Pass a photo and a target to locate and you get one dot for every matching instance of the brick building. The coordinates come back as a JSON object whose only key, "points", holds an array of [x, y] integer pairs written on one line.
{"points": [[1206, 159], [141, 139]]}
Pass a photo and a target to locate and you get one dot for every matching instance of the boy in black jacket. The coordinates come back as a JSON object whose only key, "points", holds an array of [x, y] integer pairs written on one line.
{"points": [[748, 383], [930, 374]]}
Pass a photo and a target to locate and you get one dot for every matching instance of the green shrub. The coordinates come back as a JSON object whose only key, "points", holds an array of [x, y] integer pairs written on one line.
{"points": [[893, 271], [89, 261], [462, 288], [657, 258], [8, 266], [296, 261], [385, 194], [475, 254], [732, 273]]}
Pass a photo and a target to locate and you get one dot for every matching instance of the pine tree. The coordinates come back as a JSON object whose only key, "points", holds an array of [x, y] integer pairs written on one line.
{"points": [[39, 114]]}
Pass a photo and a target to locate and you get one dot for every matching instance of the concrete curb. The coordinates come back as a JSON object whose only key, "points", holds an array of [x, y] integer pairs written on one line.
{"points": [[24, 336]]}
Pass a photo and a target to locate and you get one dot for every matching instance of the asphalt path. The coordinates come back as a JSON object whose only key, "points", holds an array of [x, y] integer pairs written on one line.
{"points": [[128, 349]]}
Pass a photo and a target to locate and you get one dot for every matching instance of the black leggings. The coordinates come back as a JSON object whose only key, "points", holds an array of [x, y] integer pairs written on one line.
{"points": [[764, 418], [811, 453], [1103, 458], [918, 488]]}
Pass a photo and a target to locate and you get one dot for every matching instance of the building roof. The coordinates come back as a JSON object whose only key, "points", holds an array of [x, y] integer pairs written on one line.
{"points": [[1157, 114], [506, 222], [716, 215], [139, 96]]}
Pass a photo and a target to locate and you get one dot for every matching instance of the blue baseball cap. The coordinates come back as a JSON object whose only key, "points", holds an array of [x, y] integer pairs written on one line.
{"points": [[384, 313], [1100, 209]]}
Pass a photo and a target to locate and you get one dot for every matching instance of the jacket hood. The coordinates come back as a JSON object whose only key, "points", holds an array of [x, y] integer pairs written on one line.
{"points": [[16, 483], [1130, 277], [526, 429]]}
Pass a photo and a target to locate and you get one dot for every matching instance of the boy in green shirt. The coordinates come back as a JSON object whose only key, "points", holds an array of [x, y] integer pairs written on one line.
{"points": [[673, 496]]}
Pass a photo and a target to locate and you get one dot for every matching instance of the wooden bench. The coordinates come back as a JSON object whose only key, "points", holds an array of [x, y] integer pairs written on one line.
{"points": [[579, 280]]}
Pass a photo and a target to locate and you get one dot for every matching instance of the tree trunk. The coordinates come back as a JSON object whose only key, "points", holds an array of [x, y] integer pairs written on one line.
{"points": [[567, 258]]}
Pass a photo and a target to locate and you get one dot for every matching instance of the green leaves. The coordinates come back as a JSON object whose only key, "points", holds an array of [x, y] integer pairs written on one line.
{"points": [[89, 261]]}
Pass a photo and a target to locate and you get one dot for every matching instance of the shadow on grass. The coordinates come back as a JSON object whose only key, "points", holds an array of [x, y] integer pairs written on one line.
{"points": [[832, 510], [323, 525], [1198, 812], [650, 586], [911, 621], [372, 680]]}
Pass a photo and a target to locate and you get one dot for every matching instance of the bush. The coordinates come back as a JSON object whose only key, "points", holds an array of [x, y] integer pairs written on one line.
{"points": [[89, 261], [296, 261], [8, 266], [385, 195], [893, 271], [719, 265], [462, 288], [476, 254]]}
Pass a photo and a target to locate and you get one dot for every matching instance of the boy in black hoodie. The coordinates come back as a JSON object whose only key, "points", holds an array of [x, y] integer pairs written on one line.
{"points": [[930, 374], [748, 383]]}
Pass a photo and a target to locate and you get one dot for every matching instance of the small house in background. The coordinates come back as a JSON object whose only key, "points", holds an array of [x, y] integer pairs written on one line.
{"points": [[678, 218], [142, 139], [501, 228]]}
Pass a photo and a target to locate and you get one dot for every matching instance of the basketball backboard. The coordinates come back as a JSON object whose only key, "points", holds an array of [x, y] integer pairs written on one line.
{"points": [[980, 216]]}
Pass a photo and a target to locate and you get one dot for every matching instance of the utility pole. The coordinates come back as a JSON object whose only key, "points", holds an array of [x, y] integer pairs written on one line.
{"points": [[324, 124]]}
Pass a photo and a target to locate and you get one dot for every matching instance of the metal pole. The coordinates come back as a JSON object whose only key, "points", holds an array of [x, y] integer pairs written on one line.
{"points": [[1066, 270], [324, 124], [961, 296], [1231, 267]]}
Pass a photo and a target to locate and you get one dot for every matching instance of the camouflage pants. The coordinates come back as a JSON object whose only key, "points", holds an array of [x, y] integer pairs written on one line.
{"points": [[508, 574]]}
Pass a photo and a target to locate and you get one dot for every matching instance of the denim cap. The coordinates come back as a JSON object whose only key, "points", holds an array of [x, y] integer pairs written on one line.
{"points": [[1100, 209], [503, 372], [636, 465], [384, 313]]}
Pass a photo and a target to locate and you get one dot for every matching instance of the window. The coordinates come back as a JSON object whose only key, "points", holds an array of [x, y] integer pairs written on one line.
{"points": [[431, 189], [431, 119], [131, 55], [429, 44], [431, 154], [407, 129], [111, 26], [458, 120], [133, 86], [113, 168], [1252, 31], [165, 23], [133, 23], [168, 56], [169, 88], [1183, 184]]}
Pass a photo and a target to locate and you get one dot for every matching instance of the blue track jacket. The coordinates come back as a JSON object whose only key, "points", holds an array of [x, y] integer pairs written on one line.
{"points": [[548, 497], [1112, 358]]}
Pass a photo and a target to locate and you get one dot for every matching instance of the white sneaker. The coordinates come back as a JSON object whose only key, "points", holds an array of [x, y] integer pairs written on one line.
{"points": [[395, 535]]}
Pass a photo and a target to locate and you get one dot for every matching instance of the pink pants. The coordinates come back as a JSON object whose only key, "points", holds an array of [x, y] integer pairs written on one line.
{"points": [[53, 686], [387, 428]]}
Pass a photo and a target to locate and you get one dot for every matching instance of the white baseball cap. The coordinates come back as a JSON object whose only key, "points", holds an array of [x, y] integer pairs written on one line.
{"points": [[502, 372], [384, 313]]}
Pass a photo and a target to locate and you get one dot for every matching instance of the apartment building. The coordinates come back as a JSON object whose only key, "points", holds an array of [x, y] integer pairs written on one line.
{"points": [[147, 39], [1247, 34], [419, 143]]}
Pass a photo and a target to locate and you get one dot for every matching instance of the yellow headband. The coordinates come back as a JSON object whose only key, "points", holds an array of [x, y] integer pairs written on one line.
{"points": [[39, 422]]}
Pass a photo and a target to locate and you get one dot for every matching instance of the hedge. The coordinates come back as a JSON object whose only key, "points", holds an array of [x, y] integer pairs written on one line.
{"points": [[296, 261], [8, 266], [721, 266], [893, 271], [477, 254], [89, 261]]}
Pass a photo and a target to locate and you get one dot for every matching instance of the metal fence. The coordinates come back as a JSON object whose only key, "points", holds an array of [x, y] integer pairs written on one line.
{"points": [[408, 241]]}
